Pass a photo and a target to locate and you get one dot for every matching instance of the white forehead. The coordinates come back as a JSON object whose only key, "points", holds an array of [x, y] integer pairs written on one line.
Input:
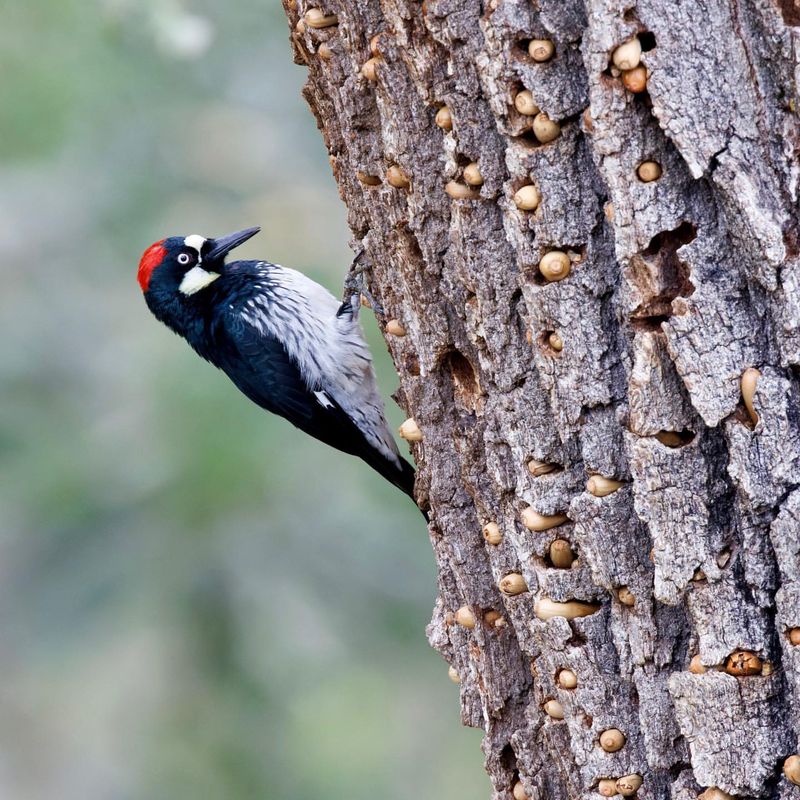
{"points": [[195, 241]]}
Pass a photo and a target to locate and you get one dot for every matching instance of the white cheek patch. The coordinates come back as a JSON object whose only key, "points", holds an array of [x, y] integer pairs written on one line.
{"points": [[196, 279], [196, 242]]}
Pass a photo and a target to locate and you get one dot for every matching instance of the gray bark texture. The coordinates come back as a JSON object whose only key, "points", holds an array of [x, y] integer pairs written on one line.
{"points": [[676, 287]]}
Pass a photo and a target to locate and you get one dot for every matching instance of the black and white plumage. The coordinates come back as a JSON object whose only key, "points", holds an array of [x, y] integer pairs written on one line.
{"points": [[283, 339]]}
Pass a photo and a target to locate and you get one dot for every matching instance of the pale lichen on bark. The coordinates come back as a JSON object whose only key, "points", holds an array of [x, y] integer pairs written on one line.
{"points": [[676, 286]]}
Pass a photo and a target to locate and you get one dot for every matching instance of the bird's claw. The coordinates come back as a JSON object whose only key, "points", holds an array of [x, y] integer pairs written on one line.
{"points": [[356, 282]]}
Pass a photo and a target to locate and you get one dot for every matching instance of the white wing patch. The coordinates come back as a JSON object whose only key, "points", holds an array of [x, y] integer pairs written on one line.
{"points": [[196, 279], [323, 399]]}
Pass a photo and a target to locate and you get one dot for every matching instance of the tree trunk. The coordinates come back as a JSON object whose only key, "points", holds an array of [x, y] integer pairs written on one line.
{"points": [[621, 356]]}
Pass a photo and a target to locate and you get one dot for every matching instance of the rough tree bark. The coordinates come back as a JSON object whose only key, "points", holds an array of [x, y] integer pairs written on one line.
{"points": [[629, 368]]}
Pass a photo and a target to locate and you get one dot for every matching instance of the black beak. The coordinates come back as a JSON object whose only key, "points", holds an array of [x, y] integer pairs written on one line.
{"points": [[222, 246]]}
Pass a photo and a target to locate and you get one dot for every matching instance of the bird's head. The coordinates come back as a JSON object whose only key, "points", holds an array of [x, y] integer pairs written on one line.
{"points": [[186, 264]]}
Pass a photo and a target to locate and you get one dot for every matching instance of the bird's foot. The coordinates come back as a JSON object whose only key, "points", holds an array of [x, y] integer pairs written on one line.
{"points": [[356, 283]]}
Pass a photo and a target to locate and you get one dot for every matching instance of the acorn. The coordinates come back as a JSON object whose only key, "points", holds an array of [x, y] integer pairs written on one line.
{"points": [[519, 792], [612, 740], [626, 596], [588, 121], [410, 431], [696, 666], [791, 769], [600, 486], [316, 18], [554, 709], [714, 793], [555, 266], [555, 342], [472, 174], [566, 679], [444, 119], [300, 27], [494, 619], [465, 617], [629, 785], [534, 521], [454, 676], [367, 179], [635, 80], [324, 52], [374, 44], [513, 583], [561, 554], [527, 198], [627, 55], [459, 191], [545, 129], [649, 171], [794, 636], [748, 384], [607, 787], [541, 49], [525, 104], [396, 177], [395, 328], [743, 663], [545, 609], [669, 438], [539, 468], [492, 533], [369, 69]]}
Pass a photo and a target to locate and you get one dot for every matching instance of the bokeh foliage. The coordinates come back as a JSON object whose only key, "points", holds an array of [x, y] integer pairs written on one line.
{"points": [[196, 601]]}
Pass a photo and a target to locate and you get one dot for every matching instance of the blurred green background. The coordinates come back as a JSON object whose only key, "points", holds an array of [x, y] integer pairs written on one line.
{"points": [[196, 601]]}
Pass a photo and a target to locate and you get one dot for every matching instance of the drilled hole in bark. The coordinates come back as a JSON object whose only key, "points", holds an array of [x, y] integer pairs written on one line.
{"points": [[508, 760], [405, 241], [649, 323], [550, 343], [463, 160], [789, 11], [411, 364], [742, 415], [675, 438], [643, 98], [466, 389], [519, 50], [660, 275], [577, 640], [647, 40], [685, 233], [528, 138]]}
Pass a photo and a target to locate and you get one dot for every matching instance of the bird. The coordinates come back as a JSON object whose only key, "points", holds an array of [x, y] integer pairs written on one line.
{"points": [[284, 340]]}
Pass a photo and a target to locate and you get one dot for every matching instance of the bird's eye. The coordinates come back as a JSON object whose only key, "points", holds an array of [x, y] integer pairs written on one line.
{"points": [[184, 258]]}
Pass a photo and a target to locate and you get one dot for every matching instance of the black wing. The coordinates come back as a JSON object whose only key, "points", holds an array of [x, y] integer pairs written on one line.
{"points": [[262, 369]]}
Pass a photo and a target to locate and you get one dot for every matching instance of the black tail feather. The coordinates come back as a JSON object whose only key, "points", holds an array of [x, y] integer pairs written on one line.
{"points": [[402, 477]]}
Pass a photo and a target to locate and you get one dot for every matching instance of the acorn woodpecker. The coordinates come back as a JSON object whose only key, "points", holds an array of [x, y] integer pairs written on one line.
{"points": [[284, 340]]}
